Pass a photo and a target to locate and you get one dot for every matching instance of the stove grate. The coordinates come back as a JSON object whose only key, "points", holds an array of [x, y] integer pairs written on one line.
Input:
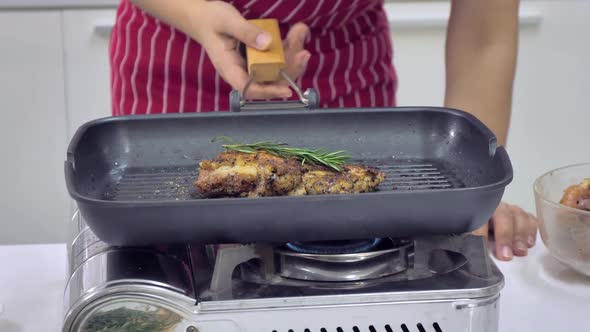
{"points": [[176, 183], [435, 327]]}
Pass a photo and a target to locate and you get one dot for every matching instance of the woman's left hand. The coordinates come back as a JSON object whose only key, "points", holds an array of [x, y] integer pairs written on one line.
{"points": [[513, 231]]}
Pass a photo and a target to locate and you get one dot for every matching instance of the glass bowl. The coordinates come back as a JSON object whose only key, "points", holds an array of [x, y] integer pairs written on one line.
{"points": [[565, 231]]}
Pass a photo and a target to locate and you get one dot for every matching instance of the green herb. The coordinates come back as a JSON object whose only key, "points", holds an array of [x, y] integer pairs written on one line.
{"points": [[129, 320], [332, 159]]}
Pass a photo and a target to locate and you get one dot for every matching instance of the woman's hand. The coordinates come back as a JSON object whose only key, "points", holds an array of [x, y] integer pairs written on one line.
{"points": [[513, 231], [218, 27]]}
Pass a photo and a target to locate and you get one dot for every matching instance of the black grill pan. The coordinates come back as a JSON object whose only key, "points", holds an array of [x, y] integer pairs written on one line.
{"points": [[132, 177]]}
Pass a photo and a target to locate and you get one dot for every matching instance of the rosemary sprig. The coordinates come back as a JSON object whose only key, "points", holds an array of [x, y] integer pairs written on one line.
{"points": [[332, 159]]}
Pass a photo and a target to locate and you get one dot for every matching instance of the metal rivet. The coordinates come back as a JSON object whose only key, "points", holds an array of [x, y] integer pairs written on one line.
{"points": [[192, 329]]}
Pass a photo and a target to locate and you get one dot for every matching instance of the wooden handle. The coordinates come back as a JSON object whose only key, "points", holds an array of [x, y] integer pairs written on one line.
{"points": [[265, 66]]}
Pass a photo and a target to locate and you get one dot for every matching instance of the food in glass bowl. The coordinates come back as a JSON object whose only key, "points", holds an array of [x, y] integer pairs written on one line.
{"points": [[577, 196], [562, 199]]}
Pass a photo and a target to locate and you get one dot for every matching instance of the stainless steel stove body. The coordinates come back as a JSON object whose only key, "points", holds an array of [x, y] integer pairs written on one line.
{"points": [[434, 284]]}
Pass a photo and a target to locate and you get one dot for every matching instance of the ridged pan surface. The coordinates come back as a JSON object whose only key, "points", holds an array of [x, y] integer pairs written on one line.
{"points": [[133, 177]]}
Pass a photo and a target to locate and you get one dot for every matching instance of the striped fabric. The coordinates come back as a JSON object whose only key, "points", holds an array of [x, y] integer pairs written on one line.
{"points": [[157, 69]]}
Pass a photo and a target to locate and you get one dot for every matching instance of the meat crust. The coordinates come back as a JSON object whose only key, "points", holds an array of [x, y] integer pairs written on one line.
{"points": [[237, 174]]}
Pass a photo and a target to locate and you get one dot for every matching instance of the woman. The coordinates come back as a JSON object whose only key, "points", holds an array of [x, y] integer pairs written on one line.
{"points": [[180, 56]]}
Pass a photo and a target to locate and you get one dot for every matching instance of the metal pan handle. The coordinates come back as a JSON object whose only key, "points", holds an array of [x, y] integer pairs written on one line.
{"points": [[238, 104], [268, 66]]}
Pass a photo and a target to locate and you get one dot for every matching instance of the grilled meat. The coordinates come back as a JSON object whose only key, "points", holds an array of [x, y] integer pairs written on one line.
{"points": [[248, 175], [237, 174], [353, 179]]}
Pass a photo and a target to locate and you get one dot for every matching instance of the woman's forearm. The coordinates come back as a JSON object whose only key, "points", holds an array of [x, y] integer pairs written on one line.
{"points": [[481, 51]]}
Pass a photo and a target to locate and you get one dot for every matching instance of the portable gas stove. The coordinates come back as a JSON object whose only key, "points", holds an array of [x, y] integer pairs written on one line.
{"points": [[436, 283]]}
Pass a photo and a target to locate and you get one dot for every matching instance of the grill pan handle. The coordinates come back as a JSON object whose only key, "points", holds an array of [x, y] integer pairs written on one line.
{"points": [[267, 66]]}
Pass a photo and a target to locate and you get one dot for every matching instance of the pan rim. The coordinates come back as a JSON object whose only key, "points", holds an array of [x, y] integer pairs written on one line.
{"points": [[77, 196]]}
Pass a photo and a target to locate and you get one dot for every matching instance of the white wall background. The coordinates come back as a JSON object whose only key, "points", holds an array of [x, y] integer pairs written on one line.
{"points": [[33, 199], [53, 77]]}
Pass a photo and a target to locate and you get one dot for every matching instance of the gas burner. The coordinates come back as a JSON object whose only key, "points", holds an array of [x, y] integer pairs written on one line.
{"points": [[334, 247], [380, 258]]}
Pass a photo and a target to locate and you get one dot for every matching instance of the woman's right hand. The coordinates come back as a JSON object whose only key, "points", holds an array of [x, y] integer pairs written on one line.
{"points": [[218, 27]]}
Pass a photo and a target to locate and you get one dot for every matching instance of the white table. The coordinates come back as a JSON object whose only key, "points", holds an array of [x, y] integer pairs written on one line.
{"points": [[540, 294]]}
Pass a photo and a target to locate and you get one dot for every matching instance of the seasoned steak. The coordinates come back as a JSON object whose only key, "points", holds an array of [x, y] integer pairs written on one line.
{"points": [[353, 179], [237, 174]]}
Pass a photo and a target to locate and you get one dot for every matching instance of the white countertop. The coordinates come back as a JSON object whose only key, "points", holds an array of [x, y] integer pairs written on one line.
{"points": [[540, 293], [32, 281]]}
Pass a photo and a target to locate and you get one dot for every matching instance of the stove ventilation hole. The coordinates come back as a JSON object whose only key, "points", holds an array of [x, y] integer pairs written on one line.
{"points": [[372, 328]]}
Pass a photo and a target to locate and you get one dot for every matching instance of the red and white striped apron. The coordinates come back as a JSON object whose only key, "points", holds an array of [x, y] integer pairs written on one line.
{"points": [[158, 69]]}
